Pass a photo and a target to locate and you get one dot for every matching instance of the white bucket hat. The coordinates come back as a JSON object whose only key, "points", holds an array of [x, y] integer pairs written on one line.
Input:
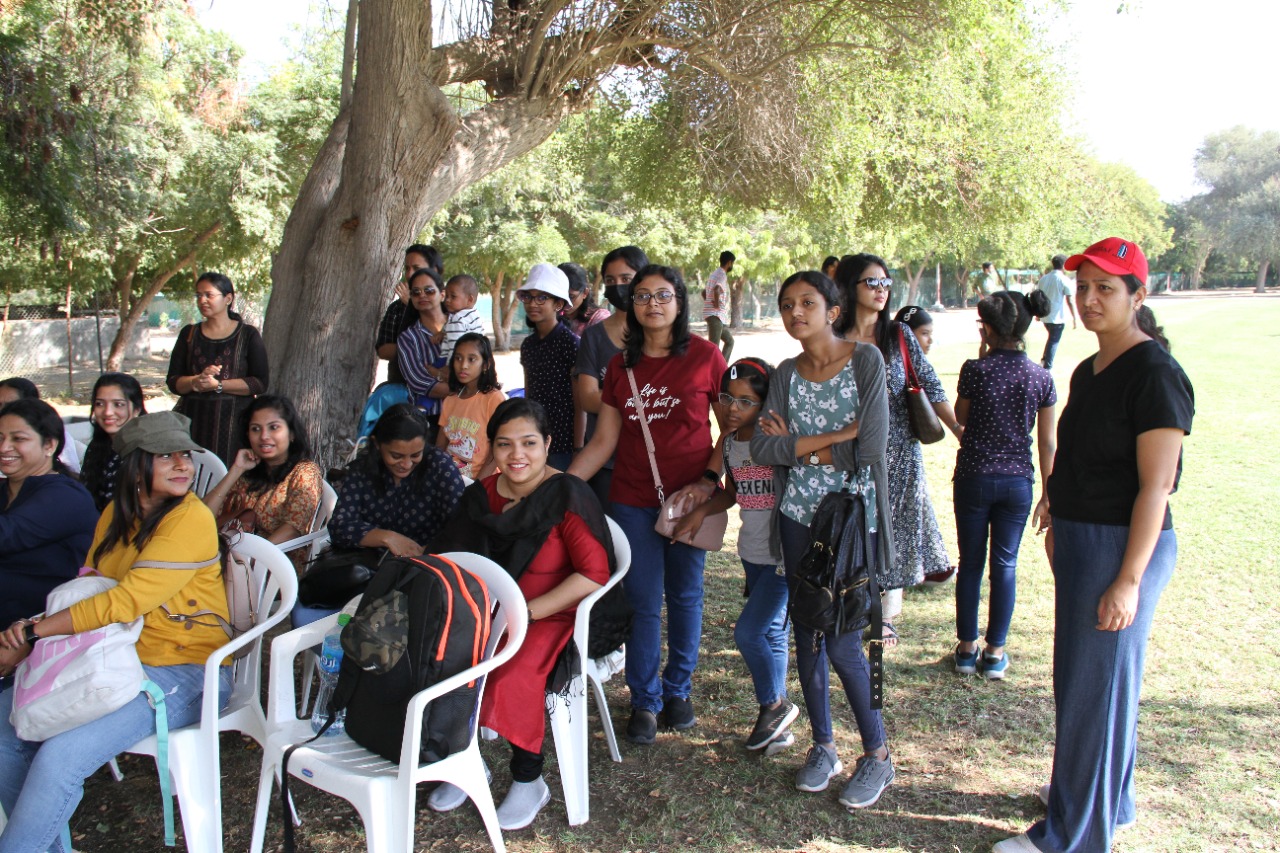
{"points": [[548, 279]]}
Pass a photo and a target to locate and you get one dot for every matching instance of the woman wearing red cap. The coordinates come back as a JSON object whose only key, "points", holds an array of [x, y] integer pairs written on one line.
{"points": [[1112, 544]]}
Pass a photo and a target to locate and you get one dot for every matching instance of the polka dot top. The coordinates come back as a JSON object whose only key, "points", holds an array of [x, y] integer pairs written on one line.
{"points": [[417, 508], [1005, 390]]}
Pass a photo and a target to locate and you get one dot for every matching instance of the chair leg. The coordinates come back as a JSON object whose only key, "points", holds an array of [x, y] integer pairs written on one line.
{"points": [[115, 770], [262, 809], [569, 730], [602, 707], [199, 802]]}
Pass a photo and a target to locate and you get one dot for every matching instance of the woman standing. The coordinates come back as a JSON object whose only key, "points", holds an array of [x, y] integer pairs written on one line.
{"points": [[549, 532], [818, 403], [548, 354], [418, 347], [117, 399], [864, 281], [678, 380], [160, 543], [46, 517], [217, 366], [273, 476], [1119, 458], [599, 344], [583, 310], [999, 400]]}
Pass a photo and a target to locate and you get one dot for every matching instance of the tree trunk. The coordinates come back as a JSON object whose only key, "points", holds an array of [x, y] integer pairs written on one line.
{"points": [[962, 282], [1197, 271], [501, 332], [129, 319], [391, 160], [913, 281], [1261, 287]]}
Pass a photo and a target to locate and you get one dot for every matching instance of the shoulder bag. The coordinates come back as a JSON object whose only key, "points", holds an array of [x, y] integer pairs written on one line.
{"points": [[710, 536], [925, 425]]}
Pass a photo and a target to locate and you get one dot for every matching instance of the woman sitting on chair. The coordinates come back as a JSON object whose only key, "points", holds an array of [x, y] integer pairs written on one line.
{"points": [[160, 542], [272, 477], [549, 532]]}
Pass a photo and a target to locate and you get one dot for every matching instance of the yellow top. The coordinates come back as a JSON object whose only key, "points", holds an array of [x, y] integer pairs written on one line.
{"points": [[180, 567]]}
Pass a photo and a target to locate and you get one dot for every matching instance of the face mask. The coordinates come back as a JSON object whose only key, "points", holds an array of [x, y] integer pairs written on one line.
{"points": [[617, 295]]}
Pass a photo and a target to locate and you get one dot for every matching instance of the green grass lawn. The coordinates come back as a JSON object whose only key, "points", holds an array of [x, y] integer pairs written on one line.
{"points": [[969, 754]]}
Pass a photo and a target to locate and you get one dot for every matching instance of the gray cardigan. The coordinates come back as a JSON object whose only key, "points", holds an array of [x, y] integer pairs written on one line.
{"points": [[868, 450]]}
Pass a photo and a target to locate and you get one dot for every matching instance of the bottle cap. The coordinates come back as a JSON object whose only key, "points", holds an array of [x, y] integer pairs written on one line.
{"points": [[343, 619]]}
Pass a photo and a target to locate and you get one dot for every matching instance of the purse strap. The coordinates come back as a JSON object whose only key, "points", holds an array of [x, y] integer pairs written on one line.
{"points": [[913, 381], [648, 439]]}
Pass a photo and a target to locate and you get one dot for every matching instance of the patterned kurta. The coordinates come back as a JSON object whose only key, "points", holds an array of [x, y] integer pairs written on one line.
{"points": [[918, 547], [293, 501]]}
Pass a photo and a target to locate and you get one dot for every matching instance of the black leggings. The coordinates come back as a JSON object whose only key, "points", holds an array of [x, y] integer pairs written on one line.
{"points": [[526, 766]]}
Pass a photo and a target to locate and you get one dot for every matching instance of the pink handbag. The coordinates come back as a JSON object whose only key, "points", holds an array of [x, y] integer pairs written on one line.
{"points": [[710, 536]]}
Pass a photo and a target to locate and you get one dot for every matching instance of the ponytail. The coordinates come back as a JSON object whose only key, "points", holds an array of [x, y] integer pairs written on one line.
{"points": [[1147, 325]]}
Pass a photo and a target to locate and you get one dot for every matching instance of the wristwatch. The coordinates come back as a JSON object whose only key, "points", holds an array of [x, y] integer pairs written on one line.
{"points": [[218, 390], [814, 459], [29, 635]]}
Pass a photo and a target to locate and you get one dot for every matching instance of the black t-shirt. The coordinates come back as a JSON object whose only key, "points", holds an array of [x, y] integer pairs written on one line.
{"points": [[548, 363], [1095, 471]]}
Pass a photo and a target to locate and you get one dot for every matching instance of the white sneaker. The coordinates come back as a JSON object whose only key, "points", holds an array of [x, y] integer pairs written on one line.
{"points": [[523, 802], [448, 796], [1017, 844], [1044, 798]]}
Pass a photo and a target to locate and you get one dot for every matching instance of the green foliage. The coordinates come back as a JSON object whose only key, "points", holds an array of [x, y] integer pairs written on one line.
{"points": [[1240, 213]]}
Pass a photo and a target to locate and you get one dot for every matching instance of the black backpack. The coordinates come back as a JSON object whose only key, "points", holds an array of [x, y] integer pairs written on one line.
{"points": [[422, 620], [834, 591]]}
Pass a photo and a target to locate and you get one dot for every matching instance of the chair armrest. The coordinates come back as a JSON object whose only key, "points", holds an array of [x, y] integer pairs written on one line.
{"points": [[582, 620], [302, 541], [281, 696]]}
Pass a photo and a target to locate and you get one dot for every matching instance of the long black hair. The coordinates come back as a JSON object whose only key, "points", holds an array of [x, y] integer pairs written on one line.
{"points": [[137, 470], [261, 477], [44, 419], [633, 337], [401, 422], [97, 456], [848, 273], [225, 287], [488, 380]]}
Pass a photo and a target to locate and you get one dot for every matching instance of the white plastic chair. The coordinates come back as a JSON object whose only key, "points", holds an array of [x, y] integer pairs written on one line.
{"points": [[194, 761], [568, 719], [384, 792], [318, 537], [80, 432], [209, 471]]}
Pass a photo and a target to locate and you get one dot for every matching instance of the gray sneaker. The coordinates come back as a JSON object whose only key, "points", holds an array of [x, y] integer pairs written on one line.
{"points": [[819, 766], [870, 777]]}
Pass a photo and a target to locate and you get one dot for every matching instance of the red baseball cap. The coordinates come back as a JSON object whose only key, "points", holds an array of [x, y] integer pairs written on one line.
{"points": [[1115, 256]]}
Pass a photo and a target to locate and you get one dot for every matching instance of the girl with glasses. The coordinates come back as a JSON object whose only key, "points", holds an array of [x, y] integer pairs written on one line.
{"points": [[548, 355], [677, 376]]}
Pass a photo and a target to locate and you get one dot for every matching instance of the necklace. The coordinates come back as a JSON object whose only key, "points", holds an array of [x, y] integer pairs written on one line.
{"points": [[512, 498]]}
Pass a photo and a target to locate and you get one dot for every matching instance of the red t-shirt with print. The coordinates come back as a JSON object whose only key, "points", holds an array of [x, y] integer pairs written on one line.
{"points": [[677, 392]]}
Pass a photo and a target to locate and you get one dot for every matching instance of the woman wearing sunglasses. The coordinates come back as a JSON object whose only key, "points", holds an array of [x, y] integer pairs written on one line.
{"points": [[677, 377], [918, 549], [548, 356], [418, 347]]}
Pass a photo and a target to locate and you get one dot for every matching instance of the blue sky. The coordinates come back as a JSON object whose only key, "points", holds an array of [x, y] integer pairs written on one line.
{"points": [[1149, 83]]}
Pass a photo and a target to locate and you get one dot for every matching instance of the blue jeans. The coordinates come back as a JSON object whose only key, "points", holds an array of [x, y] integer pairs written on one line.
{"points": [[761, 631], [999, 504], [660, 570], [42, 783], [1051, 345], [1097, 681], [846, 657]]}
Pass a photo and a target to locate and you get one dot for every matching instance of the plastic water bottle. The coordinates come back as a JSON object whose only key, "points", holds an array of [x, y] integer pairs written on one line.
{"points": [[330, 663]]}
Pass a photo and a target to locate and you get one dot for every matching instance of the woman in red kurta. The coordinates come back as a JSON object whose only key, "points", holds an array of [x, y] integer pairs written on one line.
{"points": [[549, 531]]}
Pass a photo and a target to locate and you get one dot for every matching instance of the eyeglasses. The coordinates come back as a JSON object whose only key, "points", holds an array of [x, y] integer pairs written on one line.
{"points": [[206, 295], [877, 283], [534, 296], [729, 401], [662, 297], [423, 291]]}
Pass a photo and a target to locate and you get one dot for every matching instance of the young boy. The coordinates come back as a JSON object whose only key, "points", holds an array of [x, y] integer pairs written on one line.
{"points": [[460, 295]]}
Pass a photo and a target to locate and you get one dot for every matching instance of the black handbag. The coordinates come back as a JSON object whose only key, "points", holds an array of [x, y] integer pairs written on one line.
{"points": [[338, 575], [834, 591], [925, 425]]}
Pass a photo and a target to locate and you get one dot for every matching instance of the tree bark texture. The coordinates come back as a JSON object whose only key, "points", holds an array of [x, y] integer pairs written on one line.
{"points": [[1261, 286], [391, 160]]}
